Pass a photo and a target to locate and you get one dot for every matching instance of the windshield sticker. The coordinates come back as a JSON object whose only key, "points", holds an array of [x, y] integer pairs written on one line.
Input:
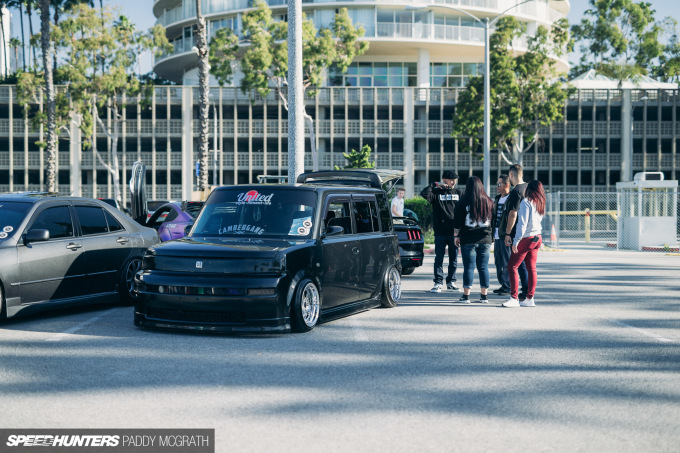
{"points": [[3, 235], [8, 229], [301, 227], [254, 197], [241, 229]]}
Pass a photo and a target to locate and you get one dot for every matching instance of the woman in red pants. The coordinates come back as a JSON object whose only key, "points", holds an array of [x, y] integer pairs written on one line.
{"points": [[526, 243]]}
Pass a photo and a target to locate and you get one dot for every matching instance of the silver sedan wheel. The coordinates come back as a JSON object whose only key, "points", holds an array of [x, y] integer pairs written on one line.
{"points": [[394, 284], [309, 306], [130, 271]]}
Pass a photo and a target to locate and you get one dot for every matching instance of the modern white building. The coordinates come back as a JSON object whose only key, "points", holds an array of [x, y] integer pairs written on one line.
{"points": [[398, 98]]}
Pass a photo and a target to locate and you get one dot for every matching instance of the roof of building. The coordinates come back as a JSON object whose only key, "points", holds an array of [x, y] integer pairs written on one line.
{"points": [[593, 80]]}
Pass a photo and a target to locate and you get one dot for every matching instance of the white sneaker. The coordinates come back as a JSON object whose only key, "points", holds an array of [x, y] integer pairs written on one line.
{"points": [[437, 288], [527, 303], [510, 303]]}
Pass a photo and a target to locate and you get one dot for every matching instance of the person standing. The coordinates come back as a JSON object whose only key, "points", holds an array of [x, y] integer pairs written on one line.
{"points": [[526, 243], [501, 252], [443, 196], [473, 235], [398, 203], [507, 224]]}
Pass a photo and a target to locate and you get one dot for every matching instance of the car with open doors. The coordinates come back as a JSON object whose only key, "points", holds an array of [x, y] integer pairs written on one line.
{"points": [[276, 257], [57, 251]]}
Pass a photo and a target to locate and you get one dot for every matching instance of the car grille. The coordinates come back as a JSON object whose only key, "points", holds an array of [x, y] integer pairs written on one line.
{"points": [[231, 317]]}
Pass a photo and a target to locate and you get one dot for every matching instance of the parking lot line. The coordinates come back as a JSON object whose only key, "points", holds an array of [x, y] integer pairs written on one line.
{"points": [[642, 331], [60, 336]]}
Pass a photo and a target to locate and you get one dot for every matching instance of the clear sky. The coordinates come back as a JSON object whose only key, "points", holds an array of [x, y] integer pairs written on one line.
{"points": [[140, 12]]}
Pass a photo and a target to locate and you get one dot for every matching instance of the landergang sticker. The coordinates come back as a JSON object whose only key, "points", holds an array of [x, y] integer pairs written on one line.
{"points": [[241, 229]]}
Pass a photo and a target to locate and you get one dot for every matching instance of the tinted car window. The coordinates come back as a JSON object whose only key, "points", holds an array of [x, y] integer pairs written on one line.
{"points": [[114, 225], [92, 220], [338, 214], [11, 215], [56, 220], [362, 214], [385, 217], [374, 216], [270, 213]]}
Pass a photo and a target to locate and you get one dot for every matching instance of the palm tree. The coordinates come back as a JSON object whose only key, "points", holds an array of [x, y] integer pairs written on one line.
{"points": [[48, 57], [4, 41], [20, 4], [15, 43]]}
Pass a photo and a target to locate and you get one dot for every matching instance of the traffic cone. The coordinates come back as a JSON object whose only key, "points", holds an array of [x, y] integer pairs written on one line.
{"points": [[553, 236]]}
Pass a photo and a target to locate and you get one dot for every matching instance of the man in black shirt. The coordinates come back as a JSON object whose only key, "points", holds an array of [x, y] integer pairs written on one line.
{"points": [[443, 197], [501, 252]]}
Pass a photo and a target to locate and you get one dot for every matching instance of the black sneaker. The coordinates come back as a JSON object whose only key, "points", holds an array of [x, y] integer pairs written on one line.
{"points": [[522, 297], [451, 286], [483, 299], [464, 299], [501, 291]]}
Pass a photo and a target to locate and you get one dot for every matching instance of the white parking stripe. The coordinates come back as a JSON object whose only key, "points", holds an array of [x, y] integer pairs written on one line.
{"points": [[642, 331], [74, 329]]}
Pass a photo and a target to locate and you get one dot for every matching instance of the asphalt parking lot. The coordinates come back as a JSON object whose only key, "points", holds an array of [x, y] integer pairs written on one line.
{"points": [[594, 367]]}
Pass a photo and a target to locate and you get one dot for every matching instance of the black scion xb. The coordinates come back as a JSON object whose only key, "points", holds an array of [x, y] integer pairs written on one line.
{"points": [[271, 258]]}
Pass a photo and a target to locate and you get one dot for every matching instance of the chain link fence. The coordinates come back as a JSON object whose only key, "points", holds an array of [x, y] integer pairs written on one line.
{"points": [[646, 220]]}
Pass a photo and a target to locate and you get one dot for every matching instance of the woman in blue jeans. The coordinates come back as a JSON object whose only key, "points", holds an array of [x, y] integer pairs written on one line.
{"points": [[472, 223]]}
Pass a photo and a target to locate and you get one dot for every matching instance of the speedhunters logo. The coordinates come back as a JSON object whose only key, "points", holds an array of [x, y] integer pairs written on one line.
{"points": [[254, 197], [123, 440], [37, 440]]}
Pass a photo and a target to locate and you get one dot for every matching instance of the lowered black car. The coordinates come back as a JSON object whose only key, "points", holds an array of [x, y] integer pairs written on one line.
{"points": [[65, 250], [276, 258]]}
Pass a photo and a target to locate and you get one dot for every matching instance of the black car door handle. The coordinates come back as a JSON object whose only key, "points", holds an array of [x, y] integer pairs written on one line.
{"points": [[73, 246], [122, 240], [355, 250]]}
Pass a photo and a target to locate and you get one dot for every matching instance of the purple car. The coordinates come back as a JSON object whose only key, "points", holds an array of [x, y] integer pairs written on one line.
{"points": [[171, 219]]}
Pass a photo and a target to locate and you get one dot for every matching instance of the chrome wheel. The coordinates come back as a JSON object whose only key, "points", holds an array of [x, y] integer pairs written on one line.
{"points": [[309, 305], [394, 284]]}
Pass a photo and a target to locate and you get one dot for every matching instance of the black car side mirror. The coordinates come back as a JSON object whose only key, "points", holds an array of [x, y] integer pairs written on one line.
{"points": [[187, 229], [37, 236], [333, 230]]}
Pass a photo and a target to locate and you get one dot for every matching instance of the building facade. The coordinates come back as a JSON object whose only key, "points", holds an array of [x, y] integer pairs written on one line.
{"points": [[398, 98]]}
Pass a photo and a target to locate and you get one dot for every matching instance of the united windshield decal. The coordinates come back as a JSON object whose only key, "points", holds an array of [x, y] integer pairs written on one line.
{"points": [[254, 197]]}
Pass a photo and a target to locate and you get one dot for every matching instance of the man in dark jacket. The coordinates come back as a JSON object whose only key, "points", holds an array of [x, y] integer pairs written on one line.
{"points": [[501, 252], [443, 197]]}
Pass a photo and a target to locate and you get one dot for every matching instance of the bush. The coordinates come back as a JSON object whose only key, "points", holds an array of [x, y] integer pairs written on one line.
{"points": [[423, 210]]}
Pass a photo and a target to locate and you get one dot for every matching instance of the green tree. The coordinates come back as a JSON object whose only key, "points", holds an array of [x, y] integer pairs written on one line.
{"points": [[90, 94], [526, 92], [618, 38], [668, 69], [358, 159], [264, 61]]}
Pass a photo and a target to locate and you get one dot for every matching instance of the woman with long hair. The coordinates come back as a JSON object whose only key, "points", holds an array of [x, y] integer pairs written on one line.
{"points": [[526, 243], [472, 222]]}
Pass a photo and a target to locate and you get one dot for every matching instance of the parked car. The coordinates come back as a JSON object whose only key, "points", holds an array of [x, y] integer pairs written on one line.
{"points": [[411, 244], [65, 250], [172, 219], [263, 258]]}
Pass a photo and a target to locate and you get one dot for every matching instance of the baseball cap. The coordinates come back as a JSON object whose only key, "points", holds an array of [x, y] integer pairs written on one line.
{"points": [[450, 174]]}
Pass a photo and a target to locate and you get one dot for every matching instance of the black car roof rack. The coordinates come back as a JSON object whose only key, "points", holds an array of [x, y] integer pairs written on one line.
{"points": [[367, 177]]}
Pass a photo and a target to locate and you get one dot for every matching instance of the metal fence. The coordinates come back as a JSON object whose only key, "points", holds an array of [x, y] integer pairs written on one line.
{"points": [[645, 221]]}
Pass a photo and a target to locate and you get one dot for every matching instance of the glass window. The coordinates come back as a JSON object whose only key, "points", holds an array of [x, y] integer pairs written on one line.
{"points": [[396, 81], [380, 81], [365, 81], [385, 15], [374, 217], [455, 82], [56, 220], [365, 69], [92, 220], [395, 69], [438, 81], [11, 213], [262, 212], [362, 215], [385, 217], [351, 81], [455, 69], [470, 68], [411, 69], [379, 68], [114, 225], [438, 69], [338, 214]]}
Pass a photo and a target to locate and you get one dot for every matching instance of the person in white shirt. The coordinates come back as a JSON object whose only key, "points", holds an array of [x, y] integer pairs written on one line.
{"points": [[526, 243], [398, 203]]}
